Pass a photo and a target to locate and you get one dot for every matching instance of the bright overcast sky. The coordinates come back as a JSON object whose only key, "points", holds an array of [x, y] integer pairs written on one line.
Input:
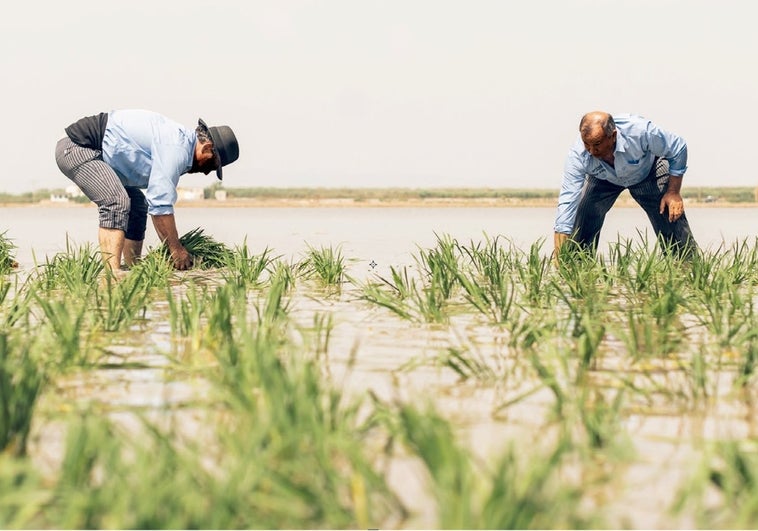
{"points": [[380, 93]]}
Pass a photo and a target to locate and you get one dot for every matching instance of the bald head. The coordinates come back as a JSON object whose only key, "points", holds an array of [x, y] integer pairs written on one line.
{"points": [[598, 132], [594, 122]]}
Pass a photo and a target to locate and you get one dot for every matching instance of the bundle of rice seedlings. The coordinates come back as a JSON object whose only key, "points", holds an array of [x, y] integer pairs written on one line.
{"points": [[206, 252], [7, 262]]}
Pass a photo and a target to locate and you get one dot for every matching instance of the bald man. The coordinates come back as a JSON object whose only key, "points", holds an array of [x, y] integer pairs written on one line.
{"points": [[614, 153]]}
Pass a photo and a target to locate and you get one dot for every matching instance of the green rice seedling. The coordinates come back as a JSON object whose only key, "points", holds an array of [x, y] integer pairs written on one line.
{"points": [[155, 271], [736, 478], [590, 335], [23, 494], [641, 335], [698, 374], [584, 295], [408, 297], [206, 252], [601, 416], [497, 301], [15, 303], [326, 264], [523, 490], [75, 271], [426, 298], [7, 261], [247, 269], [747, 364], [466, 365], [726, 311], [226, 303], [21, 381], [722, 493], [645, 265], [528, 329], [439, 265], [533, 274], [186, 312], [491, 261], [621, 255], [117, 304], [285, 274], [529, 493], [579, 273], [392, 299], [301, 459], [549, 376], [653, 326], [454, 483], [65, 319], [488, 282], [275, 307]]}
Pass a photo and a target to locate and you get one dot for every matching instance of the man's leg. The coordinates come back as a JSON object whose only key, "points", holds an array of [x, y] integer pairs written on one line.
{"points": [[86, 168], [675, 235], [596, 200], [111, 247], [135, 231]]}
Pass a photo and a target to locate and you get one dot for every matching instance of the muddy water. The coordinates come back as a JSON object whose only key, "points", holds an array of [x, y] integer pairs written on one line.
{"points": [[394, 358], [384, 235]]}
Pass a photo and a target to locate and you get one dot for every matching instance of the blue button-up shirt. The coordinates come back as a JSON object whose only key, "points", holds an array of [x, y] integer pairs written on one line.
{"points": [[638, 143], [149, 151]]}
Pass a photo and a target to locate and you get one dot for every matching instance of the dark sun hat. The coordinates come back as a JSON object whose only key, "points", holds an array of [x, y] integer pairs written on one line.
{"points": [[225, 145]]}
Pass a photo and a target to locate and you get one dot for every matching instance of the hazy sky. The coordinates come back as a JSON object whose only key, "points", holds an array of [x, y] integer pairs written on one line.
{"points": [[386, 92]]}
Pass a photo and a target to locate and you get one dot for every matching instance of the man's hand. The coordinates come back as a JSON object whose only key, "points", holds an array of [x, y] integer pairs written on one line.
{"points": [[181, 257], [673, 198], [558, 240], [675, 204], [165, 226]]}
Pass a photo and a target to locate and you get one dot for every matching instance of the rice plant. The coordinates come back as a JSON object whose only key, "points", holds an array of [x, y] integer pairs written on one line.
{"points": [[326, 264], [246, 269], [7, 261], [518, 491], [722, 491], [186, 313], [21, 381], [207, 252], [65, 319], [438, 265], [117, 304], [408, 297], [76, 271]]}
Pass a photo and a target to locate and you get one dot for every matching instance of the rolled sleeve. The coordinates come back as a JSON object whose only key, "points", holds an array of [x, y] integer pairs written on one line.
{"points": [[571, 190], [669, 146]]}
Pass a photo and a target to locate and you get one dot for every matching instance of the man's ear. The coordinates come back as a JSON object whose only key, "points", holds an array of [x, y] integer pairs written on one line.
{"points": [[207, 147]]}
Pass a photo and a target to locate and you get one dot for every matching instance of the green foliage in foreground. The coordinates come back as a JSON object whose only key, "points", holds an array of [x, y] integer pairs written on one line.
{"points": [[272, 440]]}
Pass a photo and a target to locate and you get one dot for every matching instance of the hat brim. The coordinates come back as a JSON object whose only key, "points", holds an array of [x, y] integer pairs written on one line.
{"points": [[215, 141]]}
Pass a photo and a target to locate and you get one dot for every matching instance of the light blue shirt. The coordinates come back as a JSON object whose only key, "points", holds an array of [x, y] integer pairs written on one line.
{"points": [[638, 143], [149, 151]]}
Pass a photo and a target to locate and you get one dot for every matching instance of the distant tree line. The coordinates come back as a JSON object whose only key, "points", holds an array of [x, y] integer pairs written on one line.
{"points": [[728, 194]]}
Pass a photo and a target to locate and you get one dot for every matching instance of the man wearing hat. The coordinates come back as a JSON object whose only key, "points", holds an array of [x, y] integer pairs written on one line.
{"points": [[114, 156]]}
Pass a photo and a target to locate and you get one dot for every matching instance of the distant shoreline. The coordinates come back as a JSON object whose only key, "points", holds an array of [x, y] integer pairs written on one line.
{"points": [[449, 202]]}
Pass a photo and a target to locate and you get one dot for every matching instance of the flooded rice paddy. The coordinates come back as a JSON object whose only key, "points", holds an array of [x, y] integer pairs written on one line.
{"points": [[438, 371]]}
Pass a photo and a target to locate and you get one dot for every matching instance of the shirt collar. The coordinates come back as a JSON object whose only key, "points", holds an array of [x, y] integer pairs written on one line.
{"points": [[621, 142]]}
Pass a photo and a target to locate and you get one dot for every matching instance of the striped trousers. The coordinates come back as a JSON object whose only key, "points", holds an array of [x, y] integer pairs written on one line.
{"points": [[599, 195], [119, 207]]}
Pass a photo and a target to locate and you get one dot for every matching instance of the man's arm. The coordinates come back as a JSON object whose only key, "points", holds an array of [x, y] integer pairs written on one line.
{"points": [[568, 198], [165, 226]]}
